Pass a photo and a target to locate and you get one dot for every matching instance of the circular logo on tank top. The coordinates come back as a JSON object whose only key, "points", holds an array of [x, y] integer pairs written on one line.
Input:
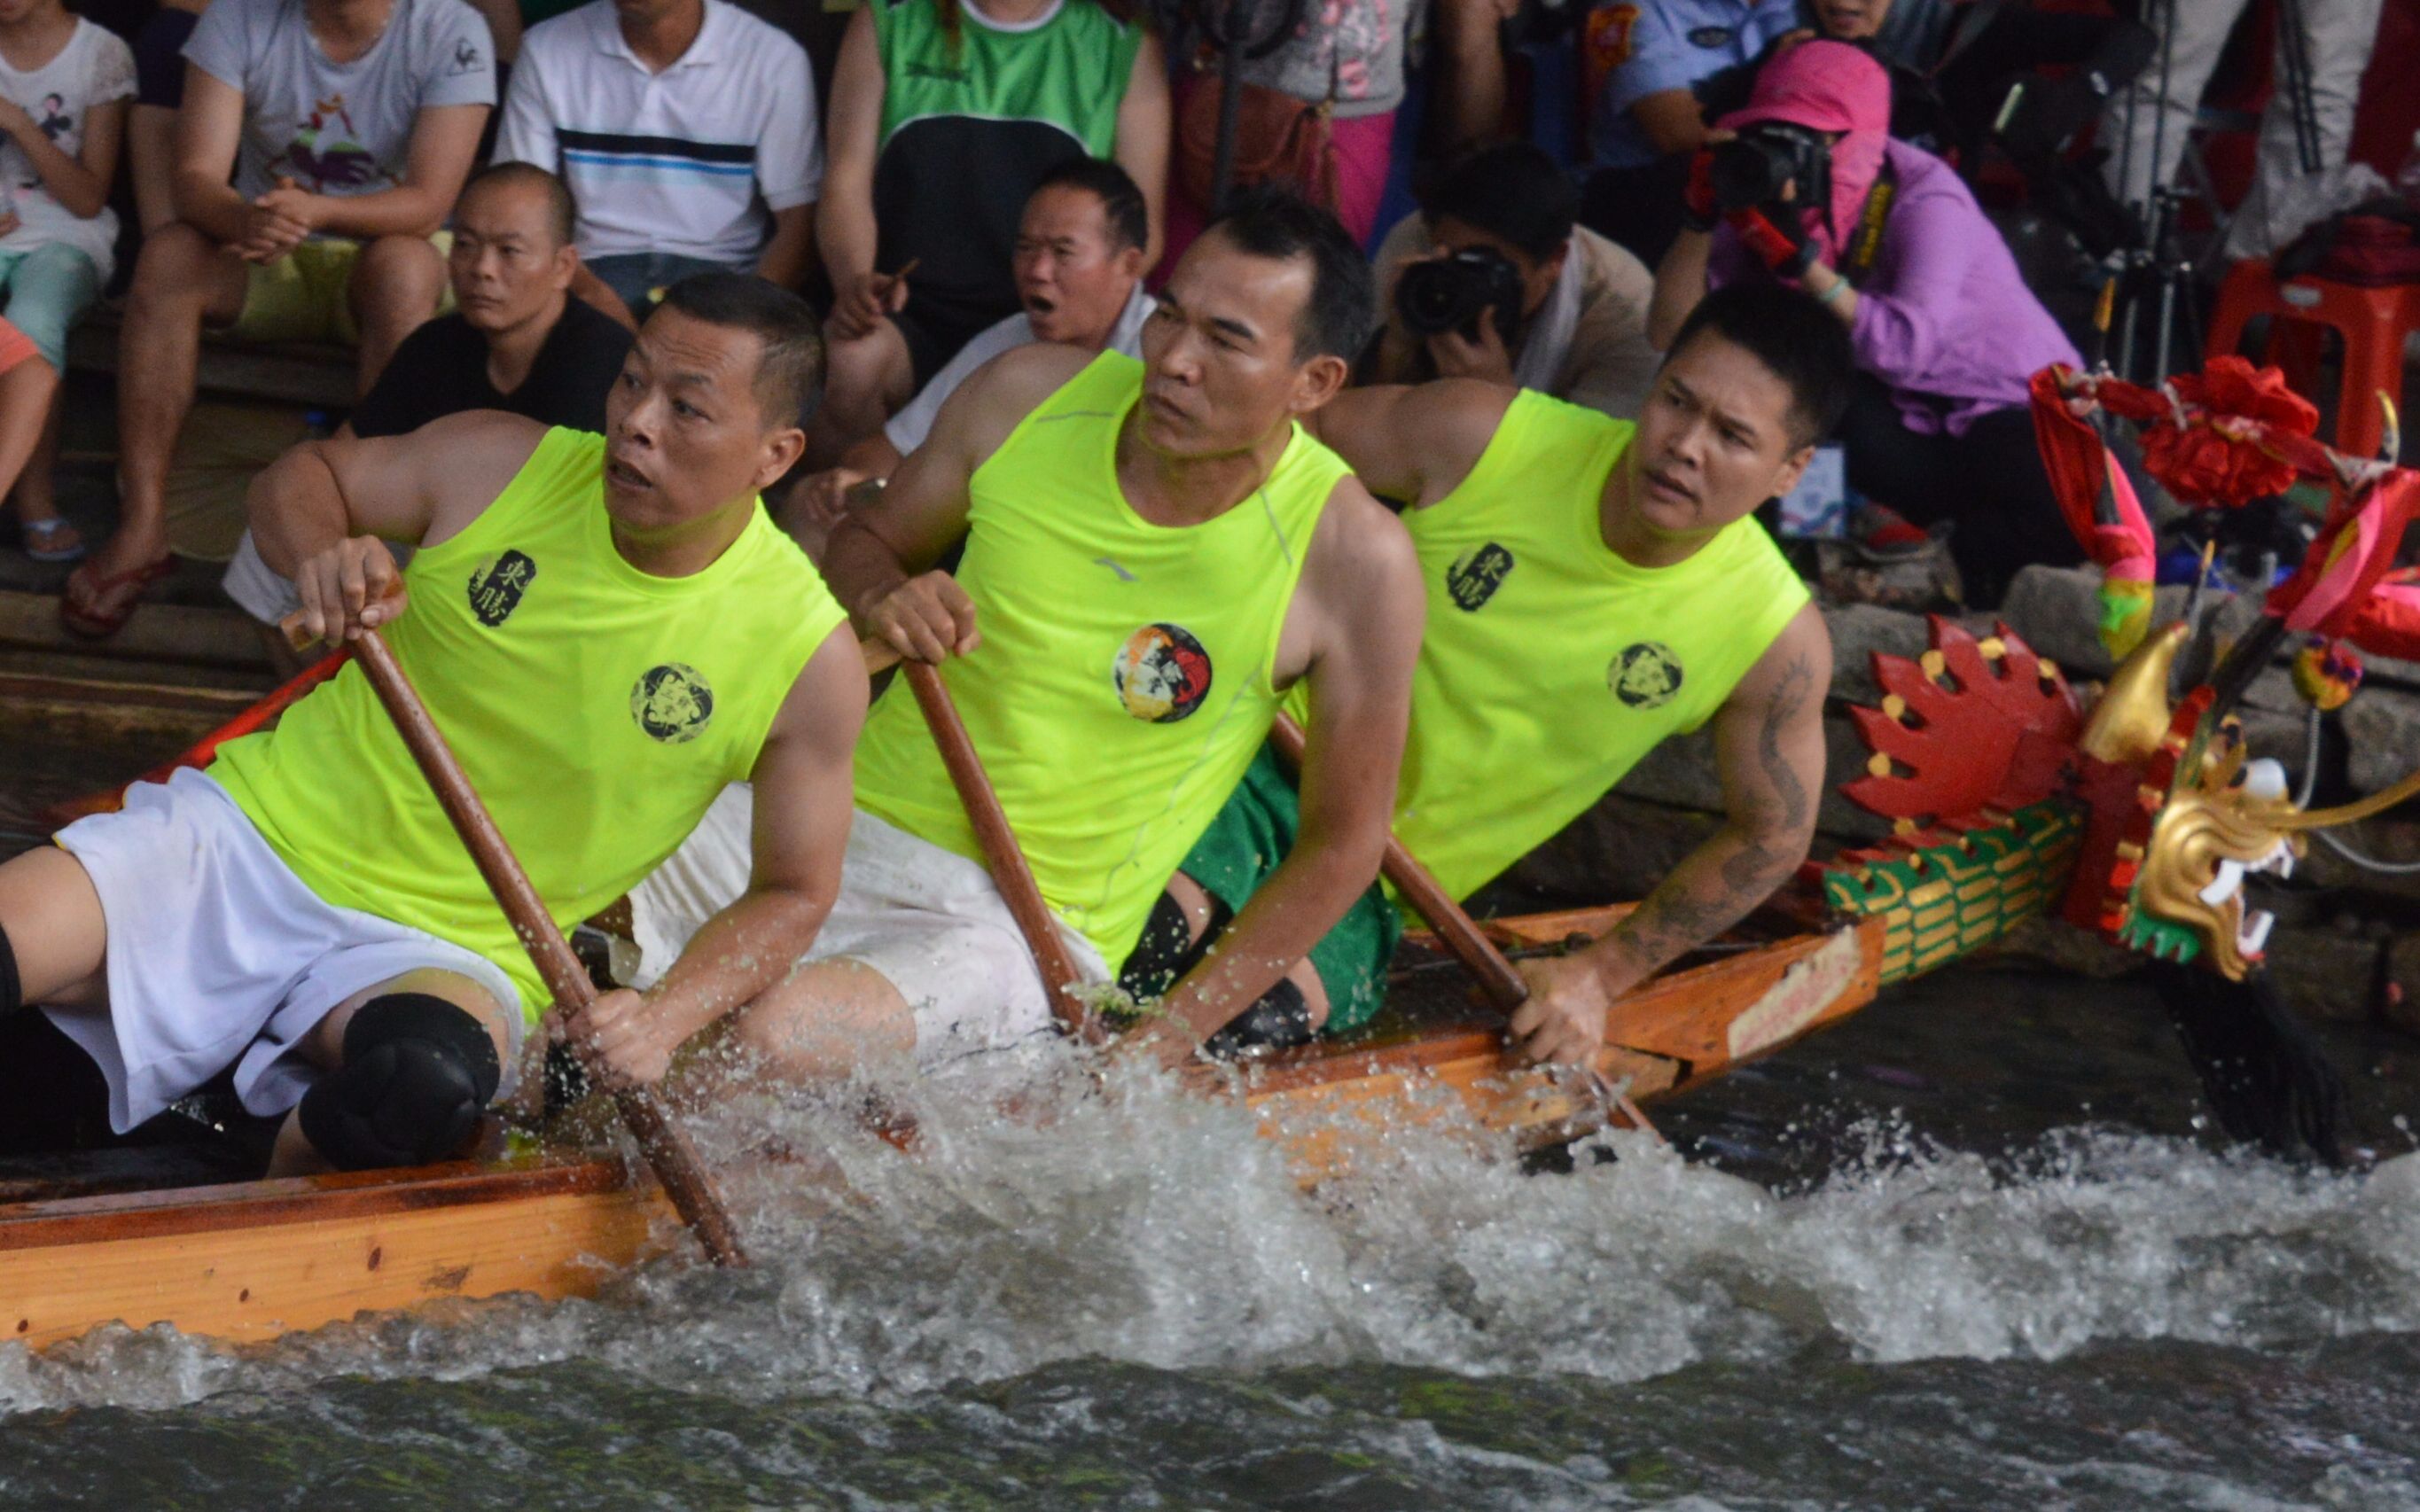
{"points": [[1162, 673], [671, 703], [1646, 675]]}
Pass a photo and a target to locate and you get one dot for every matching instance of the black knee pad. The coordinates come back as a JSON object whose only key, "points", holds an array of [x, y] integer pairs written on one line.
{"points": [[12, 991], [1166, 950], [1278, 1019], [418, 1073]]}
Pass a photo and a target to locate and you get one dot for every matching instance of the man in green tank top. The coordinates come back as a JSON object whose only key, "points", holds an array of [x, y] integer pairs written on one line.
{"points": [[607, 630], [1154, 551], [1594, 587]]}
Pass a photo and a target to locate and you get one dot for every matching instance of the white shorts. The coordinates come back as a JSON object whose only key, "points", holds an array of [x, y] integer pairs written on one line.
{"points": [[261, 592], [929, 920], [219, 955]]}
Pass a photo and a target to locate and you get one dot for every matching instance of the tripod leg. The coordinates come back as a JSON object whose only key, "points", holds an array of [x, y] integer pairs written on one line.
{"points": [[2293, 83]]}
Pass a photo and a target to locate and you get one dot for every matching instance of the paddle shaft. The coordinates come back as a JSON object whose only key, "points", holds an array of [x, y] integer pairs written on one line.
{"points": [[1502, 983], [1002, 856], [667, 1148], [1504, 986]]}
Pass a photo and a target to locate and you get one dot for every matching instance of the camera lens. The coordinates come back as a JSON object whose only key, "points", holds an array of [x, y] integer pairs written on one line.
{"points": [[1749, 172], [1437, 297]]}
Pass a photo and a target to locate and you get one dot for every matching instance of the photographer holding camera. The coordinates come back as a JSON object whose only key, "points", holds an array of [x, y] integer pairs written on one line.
{"points": [[2018, 75], [1806, 187], [1493, 281]]}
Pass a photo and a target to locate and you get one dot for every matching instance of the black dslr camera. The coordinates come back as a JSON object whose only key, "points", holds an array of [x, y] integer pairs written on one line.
{"points": [[1752, 169], [1443, 294]]}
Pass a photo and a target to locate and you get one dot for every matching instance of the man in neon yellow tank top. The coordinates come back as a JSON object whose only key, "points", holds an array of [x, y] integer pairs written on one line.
{"points": [[1594, 588], [608, 629], [1154, 551]]}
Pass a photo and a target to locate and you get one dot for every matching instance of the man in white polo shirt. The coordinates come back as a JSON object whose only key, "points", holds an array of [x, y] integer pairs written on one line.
{"points": [[1079, 251], [687, 131]]}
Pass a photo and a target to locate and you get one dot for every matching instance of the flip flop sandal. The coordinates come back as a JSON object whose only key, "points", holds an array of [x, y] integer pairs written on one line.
{"points": [[42, 537], [94, 625]]}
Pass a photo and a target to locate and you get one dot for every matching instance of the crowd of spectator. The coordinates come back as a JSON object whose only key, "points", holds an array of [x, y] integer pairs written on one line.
{"points": [[976, 174]]}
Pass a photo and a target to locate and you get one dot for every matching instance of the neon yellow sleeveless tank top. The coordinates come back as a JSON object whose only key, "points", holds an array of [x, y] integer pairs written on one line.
{"points": [[1124, 681], [1550, 664], [597, 711]]}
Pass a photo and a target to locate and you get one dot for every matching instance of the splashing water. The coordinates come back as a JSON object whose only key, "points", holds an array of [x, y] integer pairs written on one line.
{"points": [[1153, 1230]]}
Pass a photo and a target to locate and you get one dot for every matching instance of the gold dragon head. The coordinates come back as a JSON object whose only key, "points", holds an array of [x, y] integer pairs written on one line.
{"points": [[2208, 818], [2201, 821], [2223, 819]]}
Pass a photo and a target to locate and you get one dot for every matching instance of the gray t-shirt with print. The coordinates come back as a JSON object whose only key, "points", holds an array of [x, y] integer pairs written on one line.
{"points": [[1348, 50], [339, 127]]}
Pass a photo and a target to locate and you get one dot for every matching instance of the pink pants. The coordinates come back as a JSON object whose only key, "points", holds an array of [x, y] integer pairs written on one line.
{"points": [[1364, 151]]}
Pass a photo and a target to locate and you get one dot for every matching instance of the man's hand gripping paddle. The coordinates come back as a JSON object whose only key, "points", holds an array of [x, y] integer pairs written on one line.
{"points": [[1498, 979], [667, 1148]]}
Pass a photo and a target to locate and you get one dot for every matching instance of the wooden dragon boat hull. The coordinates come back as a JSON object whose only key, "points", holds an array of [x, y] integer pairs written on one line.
{"points": [[248, 1261]]}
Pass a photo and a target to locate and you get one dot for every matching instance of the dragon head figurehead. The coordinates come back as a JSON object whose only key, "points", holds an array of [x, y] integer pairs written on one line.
{"points": [[2144, 821], [2201, 820], [2203, 817], [2146, 815]]}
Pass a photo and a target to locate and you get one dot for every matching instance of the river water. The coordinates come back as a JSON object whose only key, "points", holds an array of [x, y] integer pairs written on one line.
{"points": [[1968, 1251]]}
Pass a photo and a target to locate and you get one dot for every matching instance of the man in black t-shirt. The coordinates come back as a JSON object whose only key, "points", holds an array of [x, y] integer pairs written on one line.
{"points": [[516, 342]]}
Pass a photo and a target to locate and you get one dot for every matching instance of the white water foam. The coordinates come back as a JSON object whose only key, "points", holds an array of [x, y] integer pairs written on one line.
{"points": [[1143, 1225]]}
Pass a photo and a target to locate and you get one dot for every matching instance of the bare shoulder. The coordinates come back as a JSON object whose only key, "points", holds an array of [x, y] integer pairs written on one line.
{"points": [[454, 467], [1002, 392], [1025, 376], [482, 447], [1416, 441], [826, 702], [464, 463], [1445, 411], [1460, 416], [1795, 671], [1361, 548]]}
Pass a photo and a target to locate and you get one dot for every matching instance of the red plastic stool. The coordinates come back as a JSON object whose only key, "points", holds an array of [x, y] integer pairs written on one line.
{"points": [[2373, 322]]}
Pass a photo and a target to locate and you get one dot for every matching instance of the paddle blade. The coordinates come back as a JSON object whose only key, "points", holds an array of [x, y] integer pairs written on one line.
{"points": [[2265, 1076]]}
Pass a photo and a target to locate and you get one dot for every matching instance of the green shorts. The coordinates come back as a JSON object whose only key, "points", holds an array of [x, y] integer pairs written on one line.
{"points": [[1245, 844], [307, 294]]}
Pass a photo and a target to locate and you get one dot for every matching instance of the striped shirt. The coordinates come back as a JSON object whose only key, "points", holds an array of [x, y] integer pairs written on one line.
{"points": [[691, 160]]}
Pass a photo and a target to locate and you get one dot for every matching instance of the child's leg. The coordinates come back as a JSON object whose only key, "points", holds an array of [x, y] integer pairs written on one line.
{"points": [[24, 408], [36, 498], [49, 290]]}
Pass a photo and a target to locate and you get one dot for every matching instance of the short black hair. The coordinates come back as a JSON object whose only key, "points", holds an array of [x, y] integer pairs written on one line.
{"points": [[1514, 192], [1121, 197], [790, 354], [1269, 221], [1794, 336], [562, 212]]}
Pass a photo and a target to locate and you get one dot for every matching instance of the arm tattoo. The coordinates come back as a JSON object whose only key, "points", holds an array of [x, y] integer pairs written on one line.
{"points": [[1680, 915], [1754, 863]]}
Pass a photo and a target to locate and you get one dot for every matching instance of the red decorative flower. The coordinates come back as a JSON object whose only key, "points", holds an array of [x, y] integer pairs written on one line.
{"points": [[2198, 463], [2230, 385]]}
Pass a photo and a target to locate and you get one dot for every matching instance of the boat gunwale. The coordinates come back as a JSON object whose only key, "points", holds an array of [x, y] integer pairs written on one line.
{"points": [[277, 1201], [1441, 1040], [1421, 1045]]}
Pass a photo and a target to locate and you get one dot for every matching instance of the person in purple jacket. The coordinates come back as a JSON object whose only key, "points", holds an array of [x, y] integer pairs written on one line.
{"points": [[1945, 332]]}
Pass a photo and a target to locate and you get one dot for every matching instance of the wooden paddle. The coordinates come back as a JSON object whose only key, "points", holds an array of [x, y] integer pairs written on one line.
{"points": [[1500, 980], [667, 1148], [1002, 856]]}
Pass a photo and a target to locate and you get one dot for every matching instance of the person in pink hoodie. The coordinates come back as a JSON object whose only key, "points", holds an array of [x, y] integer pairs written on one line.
{"points": [[1889, 237]]}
